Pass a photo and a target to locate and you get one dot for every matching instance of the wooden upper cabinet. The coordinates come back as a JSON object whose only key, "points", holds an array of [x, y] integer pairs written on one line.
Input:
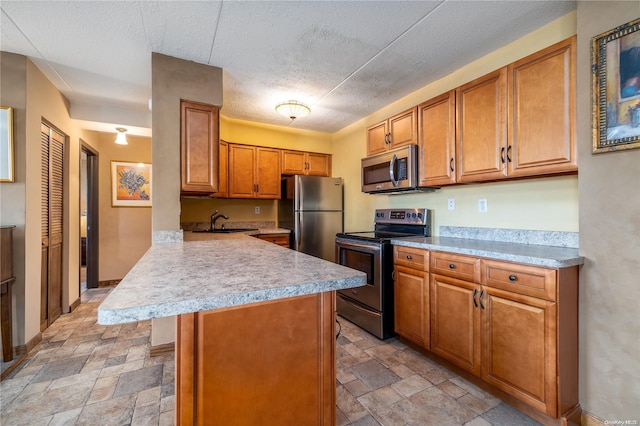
{"points": [[267, 173], [254, 172], [437, 140], [394, 132], [305, 163], [223, 171], [542, 98], [481, 128], [199, 138]]}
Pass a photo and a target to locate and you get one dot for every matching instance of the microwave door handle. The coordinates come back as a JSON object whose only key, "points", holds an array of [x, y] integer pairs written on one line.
{"points": [[392, 168]]}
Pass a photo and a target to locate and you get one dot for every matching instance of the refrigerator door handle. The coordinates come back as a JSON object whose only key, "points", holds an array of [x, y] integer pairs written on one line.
{"points": [[298, 229]]}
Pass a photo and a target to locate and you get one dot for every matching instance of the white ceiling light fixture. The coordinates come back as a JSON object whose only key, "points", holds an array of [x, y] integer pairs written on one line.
{"points": [[121, 139], [293, 109]]}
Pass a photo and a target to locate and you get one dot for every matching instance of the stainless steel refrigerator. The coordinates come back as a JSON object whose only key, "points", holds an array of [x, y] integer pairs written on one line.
{"points": [[312, 208]]}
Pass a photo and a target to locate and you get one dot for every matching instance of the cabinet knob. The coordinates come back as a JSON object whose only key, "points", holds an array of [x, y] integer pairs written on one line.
{"points": [[512, 277], [409, 256], [452, 266]]}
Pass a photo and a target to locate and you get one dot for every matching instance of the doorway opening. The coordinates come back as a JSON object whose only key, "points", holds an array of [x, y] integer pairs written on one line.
{"points": [[88, 217]]}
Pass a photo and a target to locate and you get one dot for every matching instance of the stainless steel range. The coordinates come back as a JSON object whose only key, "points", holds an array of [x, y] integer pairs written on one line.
{"points": [[371, 306]]}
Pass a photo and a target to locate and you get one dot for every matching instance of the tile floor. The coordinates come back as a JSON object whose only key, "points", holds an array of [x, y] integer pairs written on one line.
{"points": [[83, 373]]}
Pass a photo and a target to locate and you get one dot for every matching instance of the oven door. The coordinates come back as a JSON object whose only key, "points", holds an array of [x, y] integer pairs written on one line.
{"points": [[364, 256]]}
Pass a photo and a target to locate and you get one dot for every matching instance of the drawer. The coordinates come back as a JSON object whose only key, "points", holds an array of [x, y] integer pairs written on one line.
{"points": [[529, 280], [279, 239], [411, 257], [456, 266]]}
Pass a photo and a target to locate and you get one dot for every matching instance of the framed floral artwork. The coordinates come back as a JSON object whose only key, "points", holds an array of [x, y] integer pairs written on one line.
{"points": [[615, 69], [130, 184]]}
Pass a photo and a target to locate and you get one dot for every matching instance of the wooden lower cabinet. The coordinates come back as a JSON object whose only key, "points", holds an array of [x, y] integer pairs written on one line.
{"points": [[268, 362], [411, 299], [279, 239], [513, 326], [455, 322], [519, 347]]}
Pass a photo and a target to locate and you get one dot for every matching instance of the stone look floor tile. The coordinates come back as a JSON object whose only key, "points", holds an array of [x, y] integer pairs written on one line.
{"points": [[86, 374]]}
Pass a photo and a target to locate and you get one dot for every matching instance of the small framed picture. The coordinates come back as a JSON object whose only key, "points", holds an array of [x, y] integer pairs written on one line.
{"points": [[6, 144], [615, 68], [130, 184]]}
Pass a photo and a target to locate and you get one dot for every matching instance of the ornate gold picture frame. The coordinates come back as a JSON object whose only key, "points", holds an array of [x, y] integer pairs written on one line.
{"points": [[6, 144], [615, 69]]}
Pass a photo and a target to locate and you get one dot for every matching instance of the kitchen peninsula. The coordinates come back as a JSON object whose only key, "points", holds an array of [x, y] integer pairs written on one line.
{"points": [[255, 331]]}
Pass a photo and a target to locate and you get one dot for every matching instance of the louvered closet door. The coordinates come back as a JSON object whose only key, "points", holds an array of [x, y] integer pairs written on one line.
{"points": [[52, 229]]}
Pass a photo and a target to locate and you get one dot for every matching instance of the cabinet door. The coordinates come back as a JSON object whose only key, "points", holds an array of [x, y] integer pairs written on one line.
{"points": [[223, 171], [267, 176], [278, 239], [542, 131], [437, 140], [199, 127], [305, 163], [318, 164], [293, 163], [241, 171], [377, 139], [519, 347], [403, 129], [263, 363], [455, 322], [481, 133], [411, 305]]}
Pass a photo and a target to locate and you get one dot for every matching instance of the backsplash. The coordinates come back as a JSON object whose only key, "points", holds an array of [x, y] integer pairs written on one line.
{"points": [[521, 236], [200, 226]]}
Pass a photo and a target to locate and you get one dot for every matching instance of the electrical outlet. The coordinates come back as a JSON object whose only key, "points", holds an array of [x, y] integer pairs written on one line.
{"points": [[257, 209], [451, 204], [482, 205]]}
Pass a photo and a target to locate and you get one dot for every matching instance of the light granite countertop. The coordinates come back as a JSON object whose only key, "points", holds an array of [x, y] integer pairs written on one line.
{"points": [[532, 254], [218, 271]]}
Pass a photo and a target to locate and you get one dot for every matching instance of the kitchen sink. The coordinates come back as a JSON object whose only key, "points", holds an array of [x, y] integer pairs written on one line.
{"points": [[226, 231]]}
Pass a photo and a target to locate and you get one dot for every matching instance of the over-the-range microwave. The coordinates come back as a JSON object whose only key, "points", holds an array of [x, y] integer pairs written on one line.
{"points": [[392, 172]]}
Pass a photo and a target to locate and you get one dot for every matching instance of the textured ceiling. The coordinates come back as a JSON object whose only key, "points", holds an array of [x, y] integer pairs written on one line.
{"points": [[346, 59]]}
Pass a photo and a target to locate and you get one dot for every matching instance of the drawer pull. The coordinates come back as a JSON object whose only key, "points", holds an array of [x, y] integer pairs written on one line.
{"points": [[452, 266], [409, 256], [475, 293], [480, 299], [512, 277]]}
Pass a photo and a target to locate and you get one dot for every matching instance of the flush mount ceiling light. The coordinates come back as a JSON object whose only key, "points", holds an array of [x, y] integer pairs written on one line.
{"points": [[121, 139], [293, 109]]}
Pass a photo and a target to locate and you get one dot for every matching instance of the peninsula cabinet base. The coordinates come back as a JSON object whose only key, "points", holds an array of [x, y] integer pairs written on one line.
{"points": [[569, 418], [263, 363]]}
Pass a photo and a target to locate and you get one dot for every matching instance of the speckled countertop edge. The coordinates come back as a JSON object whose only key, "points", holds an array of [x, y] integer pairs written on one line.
{"points": [[539, 255], [219, 271]]}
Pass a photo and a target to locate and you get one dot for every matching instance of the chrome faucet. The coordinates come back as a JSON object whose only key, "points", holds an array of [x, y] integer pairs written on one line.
{"points": [[214, 217]]}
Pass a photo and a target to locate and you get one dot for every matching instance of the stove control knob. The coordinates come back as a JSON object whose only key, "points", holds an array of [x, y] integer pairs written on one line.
{"points": [[419, 215]]}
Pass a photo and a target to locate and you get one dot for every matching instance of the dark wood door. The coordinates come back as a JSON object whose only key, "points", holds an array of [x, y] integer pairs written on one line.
{"points": [[52, 202]]}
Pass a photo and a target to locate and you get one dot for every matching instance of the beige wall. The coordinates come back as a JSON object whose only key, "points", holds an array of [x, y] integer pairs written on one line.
{"points": [[35, 99], [609, 239], [124, 232], [173, 79], [543, 204]]}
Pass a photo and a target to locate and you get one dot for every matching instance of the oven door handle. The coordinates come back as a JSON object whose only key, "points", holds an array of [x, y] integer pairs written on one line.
{"points": [[392, 170], [373, 248]]}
